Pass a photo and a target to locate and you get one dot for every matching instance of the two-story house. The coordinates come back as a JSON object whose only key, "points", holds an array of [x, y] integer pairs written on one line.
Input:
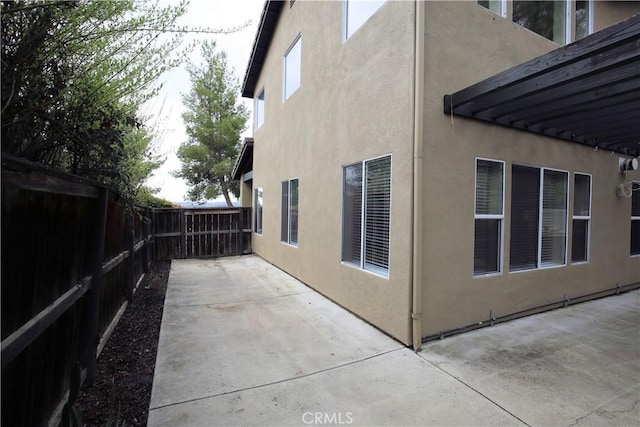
{"points": [[438, 166]]}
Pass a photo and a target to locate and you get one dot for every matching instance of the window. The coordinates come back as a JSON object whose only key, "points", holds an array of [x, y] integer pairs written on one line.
{"points": [[259, 109], [635, 219], [581, 218], [538, 218], [257, 203], [498, 7], [547, 18], [489, 217], [584, 19], [292, 64], [366, 210], [356, 13], [289, 215]]}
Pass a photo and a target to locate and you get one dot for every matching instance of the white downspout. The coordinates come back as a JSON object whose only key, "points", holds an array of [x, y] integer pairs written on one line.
{"points": [[418, 173]]}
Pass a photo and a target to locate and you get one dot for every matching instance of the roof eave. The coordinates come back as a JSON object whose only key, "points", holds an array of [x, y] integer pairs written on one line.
{"points": [[266, 28]]}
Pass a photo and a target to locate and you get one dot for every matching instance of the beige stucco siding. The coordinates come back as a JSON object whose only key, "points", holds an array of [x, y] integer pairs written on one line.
{"points": [[354, 103], [467, 43]]}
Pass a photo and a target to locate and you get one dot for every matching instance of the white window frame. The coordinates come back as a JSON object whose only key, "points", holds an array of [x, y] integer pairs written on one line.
{"points": [[259, 109], [287, 239], [572, 37], [259, 209], [362, 264], [584, 218], [540, 266], [569, 15], [484, 216], [348, 32], [503, 8], [634, 184], [286, 95]]}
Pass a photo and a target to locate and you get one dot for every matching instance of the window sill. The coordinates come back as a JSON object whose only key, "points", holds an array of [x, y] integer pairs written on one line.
{"points": [[356, 267], [544, 267], [486, 275]]}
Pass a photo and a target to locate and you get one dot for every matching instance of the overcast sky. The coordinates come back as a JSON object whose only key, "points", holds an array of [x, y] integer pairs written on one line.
{"points": [[202, 13]]}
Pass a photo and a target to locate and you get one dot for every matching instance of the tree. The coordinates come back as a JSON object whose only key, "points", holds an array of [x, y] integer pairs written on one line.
{"points": [[74, 76], [214, 121]]}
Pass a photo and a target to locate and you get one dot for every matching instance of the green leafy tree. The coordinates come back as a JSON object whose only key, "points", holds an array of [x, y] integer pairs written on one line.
{"points": [[214, 120], [74, 76]]}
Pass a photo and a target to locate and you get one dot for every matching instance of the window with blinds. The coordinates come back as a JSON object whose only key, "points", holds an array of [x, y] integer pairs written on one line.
{"points": [[257, 203], [635, 218], [581, 218], [538, 218], [366, 210], [289, 212], [489, 216]]}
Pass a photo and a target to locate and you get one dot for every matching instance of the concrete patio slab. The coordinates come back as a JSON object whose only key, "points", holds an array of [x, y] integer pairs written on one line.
{"points": [[243, 343], [577, 365]]}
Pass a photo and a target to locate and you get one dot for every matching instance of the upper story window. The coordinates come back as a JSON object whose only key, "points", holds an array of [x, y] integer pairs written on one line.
{"points": [[584, 19], [357, 12], [292, 65], [499, 7], [547, 18], [259, 109]]}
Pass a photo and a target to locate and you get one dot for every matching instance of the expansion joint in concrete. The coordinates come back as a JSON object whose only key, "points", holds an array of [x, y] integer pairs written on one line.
{"points": [[297, 377]]}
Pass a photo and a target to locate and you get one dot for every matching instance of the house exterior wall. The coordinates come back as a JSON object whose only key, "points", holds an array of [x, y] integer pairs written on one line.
{"points": [[354, 103], [467, 43], [246, 193]]}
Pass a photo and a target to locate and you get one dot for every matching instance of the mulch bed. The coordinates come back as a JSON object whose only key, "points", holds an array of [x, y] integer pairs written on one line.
{"points": [[124, 371]]}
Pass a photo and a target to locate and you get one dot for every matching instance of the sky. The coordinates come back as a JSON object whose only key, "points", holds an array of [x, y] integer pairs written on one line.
{"points": [[166, 109]]}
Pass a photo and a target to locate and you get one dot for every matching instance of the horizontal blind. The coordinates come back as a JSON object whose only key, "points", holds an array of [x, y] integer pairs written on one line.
{"points": [[352, 213], [377, 214], [582, 195], [635, 199], [284, 213], [489, 188], [554, 217], [258, 213], [579, 240], [525, 199], [293, 212]]}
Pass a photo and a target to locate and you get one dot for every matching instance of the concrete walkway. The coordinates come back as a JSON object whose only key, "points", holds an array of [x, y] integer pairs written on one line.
{"points": [[243, 343]]}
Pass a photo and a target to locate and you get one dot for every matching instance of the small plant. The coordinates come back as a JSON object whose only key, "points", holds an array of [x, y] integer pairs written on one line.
{"points": [[111, 422], [70, 415]]}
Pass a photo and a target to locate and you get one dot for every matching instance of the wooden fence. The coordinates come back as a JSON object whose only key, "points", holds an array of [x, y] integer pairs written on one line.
{"points": [[195, 233], [72, 255]]}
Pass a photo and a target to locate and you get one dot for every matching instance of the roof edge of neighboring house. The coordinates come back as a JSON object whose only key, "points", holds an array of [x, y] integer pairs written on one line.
{"points": [[244, 162], [266, 28]]}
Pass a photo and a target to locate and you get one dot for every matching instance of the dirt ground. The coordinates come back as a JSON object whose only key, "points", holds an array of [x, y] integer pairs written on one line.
{"points": [[124, 372]]}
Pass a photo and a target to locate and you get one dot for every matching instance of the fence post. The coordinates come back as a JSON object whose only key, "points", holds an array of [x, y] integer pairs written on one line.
{"points": [[145, 237], [183, 233], [130, 237], [92, 332]]}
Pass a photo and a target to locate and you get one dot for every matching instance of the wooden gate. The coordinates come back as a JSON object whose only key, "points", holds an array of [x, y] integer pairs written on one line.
{"points": [[199, 233]]}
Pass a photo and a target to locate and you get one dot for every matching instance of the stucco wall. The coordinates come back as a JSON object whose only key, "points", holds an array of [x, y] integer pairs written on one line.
{"points": [[354, 103], [458, 55], [246, 194]]}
